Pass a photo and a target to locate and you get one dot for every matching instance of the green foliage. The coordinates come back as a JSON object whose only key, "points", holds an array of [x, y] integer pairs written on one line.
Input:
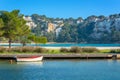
{"points": [[1, 27], [3, 39], [17, 49], [115, 51], [24, 40], [64, 50], [90, 50], [79, 30], [68, 34], [37, 39], [50, 36], [43, 40], [72, 50], [27, 49], [40, 40], [79, 50], [24, 50], [31, 37], [14, 25], [40, 50], [1, 23], [2, 49], [75, 49]]}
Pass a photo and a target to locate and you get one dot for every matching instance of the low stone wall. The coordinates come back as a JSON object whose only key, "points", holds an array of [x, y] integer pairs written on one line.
{"points": [[64, 56], [118, 56]]}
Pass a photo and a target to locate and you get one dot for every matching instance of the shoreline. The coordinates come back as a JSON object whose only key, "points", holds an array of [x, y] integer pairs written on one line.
{"points": [[100, 48]]}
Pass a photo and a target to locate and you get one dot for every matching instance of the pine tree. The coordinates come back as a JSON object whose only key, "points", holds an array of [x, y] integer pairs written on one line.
{"points": [[14, 25]]}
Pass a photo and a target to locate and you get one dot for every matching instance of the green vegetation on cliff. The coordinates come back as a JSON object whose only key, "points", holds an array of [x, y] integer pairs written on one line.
{"points": [[93, 29]]}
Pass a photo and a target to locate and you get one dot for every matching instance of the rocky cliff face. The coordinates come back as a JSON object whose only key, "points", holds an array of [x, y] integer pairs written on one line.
{"points": [[93, 28], [106, 26]]}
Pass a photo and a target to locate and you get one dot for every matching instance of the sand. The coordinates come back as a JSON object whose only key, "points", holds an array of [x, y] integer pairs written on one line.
{"points": [[100, 48]]}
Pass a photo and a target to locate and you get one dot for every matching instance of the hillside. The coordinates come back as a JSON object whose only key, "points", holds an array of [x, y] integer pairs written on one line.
{"points": [[93, 29]]}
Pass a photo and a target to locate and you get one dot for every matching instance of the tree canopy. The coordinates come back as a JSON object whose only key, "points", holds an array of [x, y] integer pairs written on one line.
{"points": [[1, 26], [14, 25]]}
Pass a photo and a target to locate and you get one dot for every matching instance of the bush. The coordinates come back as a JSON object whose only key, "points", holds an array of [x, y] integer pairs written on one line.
{"points": [[64, 50], [90, 50], [16, 49], [75, 49], [22, 49], [40, 50], [27, 49], [2, 49], [115, 51], [118, 50]]}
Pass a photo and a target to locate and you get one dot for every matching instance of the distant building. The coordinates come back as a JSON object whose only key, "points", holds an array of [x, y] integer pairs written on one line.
{"points": [[30, 23]]}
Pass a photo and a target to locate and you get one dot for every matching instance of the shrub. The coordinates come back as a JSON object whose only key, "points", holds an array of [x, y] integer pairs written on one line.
{"points": [[40, 50], [112, 51], [27, 49], [64, 50], [90, 50], [22, 49], [2, 49], [16, 49], [118, 50], [115, 51], [75, 49]]}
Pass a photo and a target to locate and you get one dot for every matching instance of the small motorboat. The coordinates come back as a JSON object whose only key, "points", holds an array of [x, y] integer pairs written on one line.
{"points": [[29, 59]]}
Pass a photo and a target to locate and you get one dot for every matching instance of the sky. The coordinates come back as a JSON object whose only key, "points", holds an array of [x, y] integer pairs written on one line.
{"points": [[63, 8]]}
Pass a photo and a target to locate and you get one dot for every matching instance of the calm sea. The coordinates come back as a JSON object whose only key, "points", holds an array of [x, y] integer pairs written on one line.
{"points": [[67, 45], [61, 70], [80, 45]]}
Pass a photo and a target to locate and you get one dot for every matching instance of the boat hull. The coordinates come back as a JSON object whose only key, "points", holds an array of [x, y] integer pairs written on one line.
{"points": [[29, 59]]}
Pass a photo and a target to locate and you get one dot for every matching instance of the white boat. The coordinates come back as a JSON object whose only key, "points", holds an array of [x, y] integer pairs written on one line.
{"points": [[29, 59]]}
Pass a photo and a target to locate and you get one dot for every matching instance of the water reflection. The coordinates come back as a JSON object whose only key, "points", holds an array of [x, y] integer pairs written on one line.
{"points": [[31, 63]]}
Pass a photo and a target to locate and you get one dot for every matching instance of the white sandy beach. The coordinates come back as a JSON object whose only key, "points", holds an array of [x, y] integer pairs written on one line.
{"points": [[100, 48], [64, 47]]}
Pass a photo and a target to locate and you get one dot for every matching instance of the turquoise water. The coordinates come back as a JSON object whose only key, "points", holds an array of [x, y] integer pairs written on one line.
{"points": [[61, 70], [67, 45], [80, 45]]}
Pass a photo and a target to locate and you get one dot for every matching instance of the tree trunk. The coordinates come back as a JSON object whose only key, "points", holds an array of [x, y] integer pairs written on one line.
{"points": [[10, 41]]}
